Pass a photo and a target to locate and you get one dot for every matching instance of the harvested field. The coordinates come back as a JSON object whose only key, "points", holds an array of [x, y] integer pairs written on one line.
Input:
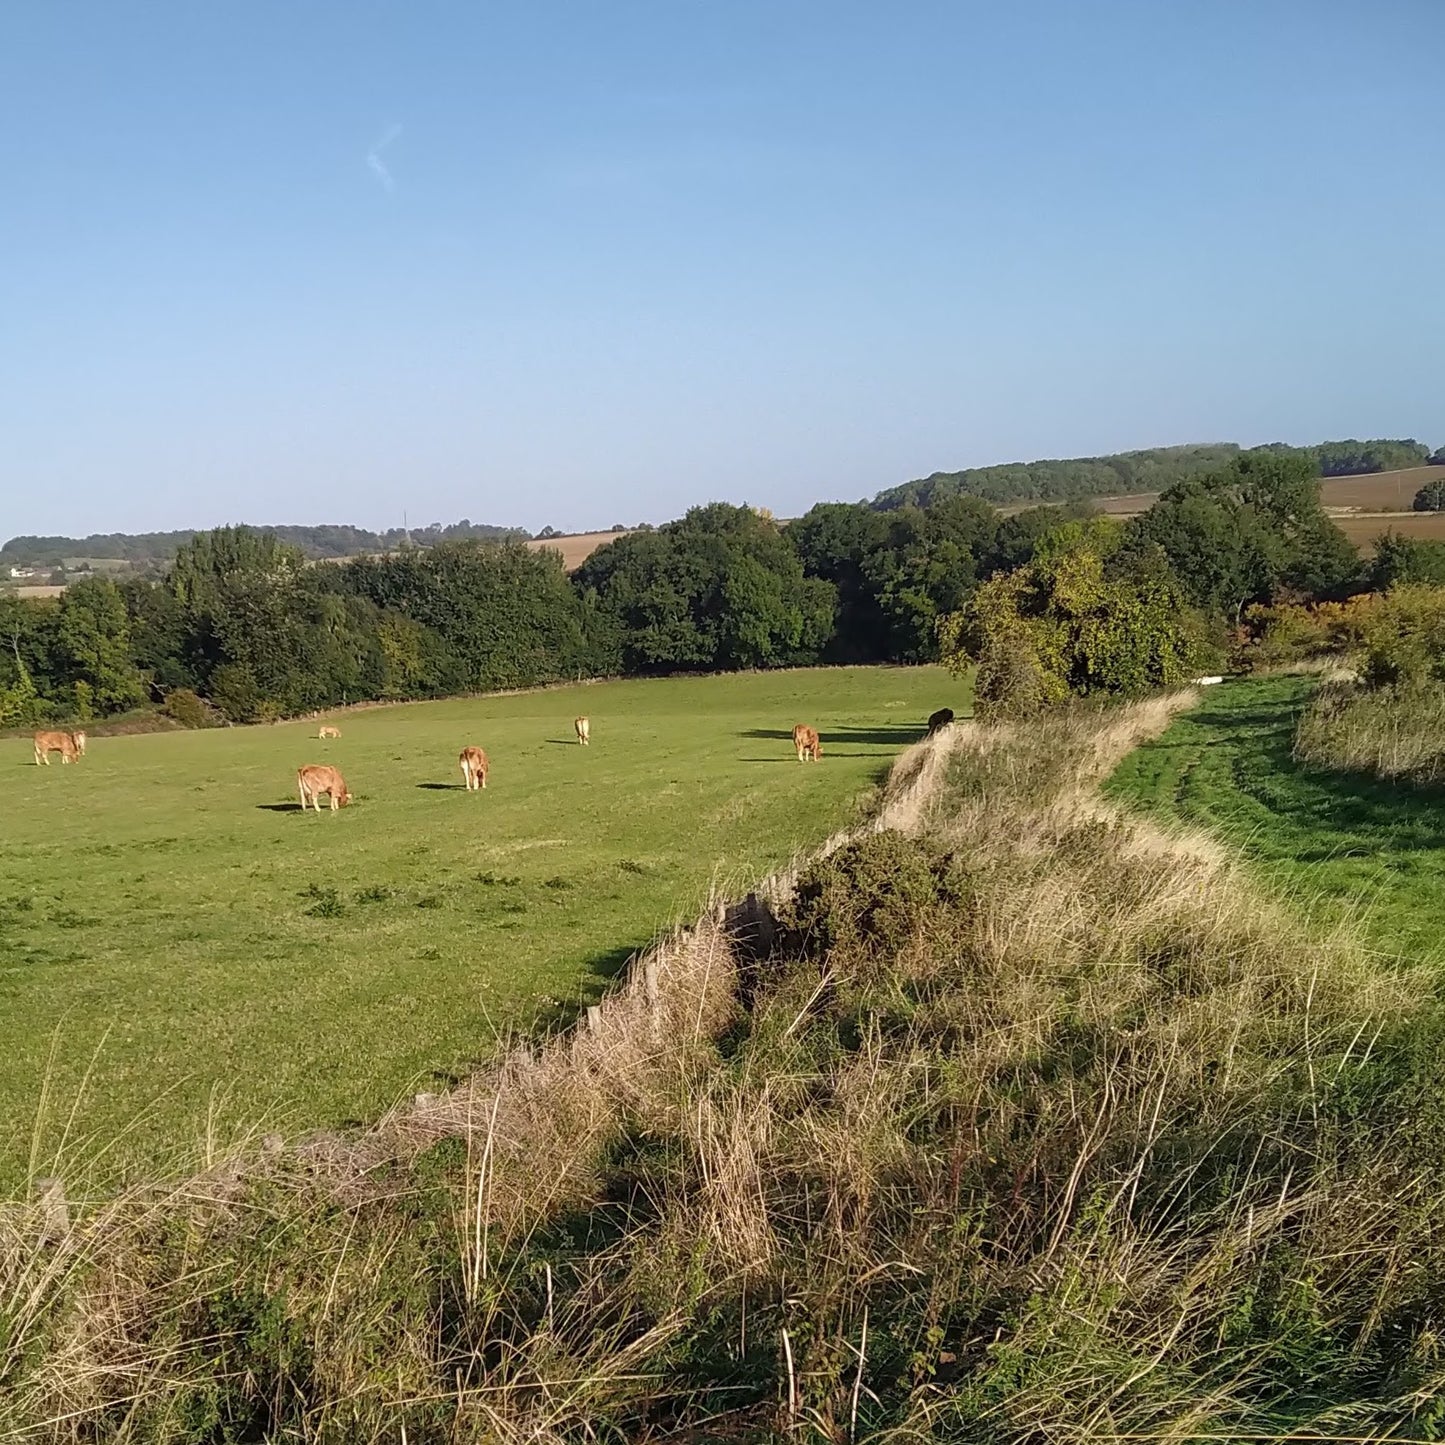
{"points": [[575, 549]]}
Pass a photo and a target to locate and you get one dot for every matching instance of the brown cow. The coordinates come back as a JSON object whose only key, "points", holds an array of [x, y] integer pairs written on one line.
{"points": [[328, 732], [474, 768], [316, 779], [70, 746], [940, 719], [807, 742], [584, 729]]}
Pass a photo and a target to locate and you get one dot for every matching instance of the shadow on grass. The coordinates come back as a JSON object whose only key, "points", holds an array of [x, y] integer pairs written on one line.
{"points": [[564, 742], [279, 807], [1246, 736], [443, 787], [895, 735]]}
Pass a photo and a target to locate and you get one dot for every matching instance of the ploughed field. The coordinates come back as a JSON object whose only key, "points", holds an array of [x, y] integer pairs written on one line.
{"points": [[184, 954]]}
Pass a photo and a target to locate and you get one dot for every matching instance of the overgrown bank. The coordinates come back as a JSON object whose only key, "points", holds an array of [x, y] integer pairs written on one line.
{"points": [[1014, 1120]]}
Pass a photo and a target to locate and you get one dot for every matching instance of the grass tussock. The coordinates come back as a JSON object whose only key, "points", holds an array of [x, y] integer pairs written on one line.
{"points": [[1000, 1124], [1389, 732]]}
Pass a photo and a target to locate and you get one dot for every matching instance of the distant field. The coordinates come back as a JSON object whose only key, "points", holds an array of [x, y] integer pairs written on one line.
{"points": [[1379, 491], [575, 549], [1362, 528], [1334, 845], [173, 925], [1362, 507]]}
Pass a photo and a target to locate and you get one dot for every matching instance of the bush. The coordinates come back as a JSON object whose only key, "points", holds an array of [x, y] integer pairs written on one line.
{"points": [[1431, 497], [1401, 637], [186, 708], [1071, 623], [1289, 632]]}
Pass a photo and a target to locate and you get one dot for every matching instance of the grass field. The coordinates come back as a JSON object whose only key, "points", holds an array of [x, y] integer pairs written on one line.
{"points": [[172, 927], [1340, 845]]}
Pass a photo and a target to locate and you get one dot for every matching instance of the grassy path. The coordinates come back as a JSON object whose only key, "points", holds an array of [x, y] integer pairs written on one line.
{"points": [[1341, 844], [172, 927]]}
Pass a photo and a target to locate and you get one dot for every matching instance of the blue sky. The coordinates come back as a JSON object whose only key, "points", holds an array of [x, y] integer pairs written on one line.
{"points": [[584, 263]]}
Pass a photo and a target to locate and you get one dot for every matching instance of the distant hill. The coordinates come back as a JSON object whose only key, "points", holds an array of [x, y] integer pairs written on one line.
{"points": [[1084, 478], [142, 550]]}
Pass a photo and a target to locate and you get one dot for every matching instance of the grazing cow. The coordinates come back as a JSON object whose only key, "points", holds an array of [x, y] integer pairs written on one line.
{"points": [[312, 781], [70, 746], [474, 768], [584, 729], [328, 732], [807, 742], [940, 719]]}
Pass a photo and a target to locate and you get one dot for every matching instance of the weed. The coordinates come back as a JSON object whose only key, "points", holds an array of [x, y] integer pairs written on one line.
{"points": [[327, 903]]}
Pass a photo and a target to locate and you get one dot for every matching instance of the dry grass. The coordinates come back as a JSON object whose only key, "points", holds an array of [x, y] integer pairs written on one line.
{"points": [[1011, 1121], [1386, 732]]}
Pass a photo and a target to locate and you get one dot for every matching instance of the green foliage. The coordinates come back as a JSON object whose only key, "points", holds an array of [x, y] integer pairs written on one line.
{"points": [[92, 647], [186, 708], [1350, 458], [1065, 481], [1406, 559], [1431, 497], [158, 549], [721, 588], [1246, 533], [1070, 624], [1402, 637]]}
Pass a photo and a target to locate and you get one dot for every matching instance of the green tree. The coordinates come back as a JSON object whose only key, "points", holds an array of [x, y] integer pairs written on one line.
{"points": [[1247, 533], [1070, 624], [93, 645], [1399, 559], [1431, 497]]}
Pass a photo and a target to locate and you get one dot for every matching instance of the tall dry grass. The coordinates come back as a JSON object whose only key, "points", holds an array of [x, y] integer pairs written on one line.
{"points": [[1005, 1120], [1391, 732]]}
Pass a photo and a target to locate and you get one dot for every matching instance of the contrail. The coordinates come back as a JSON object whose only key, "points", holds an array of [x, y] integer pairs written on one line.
{"points": [[374, 160]]}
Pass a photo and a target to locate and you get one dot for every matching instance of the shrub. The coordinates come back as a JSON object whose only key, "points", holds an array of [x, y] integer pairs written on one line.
{"points": [[1069, 623], [1289, 632], [1431, 497], [1400, 639], [187, 708]]}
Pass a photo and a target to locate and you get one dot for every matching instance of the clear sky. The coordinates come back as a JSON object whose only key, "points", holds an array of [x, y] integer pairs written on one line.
{"points": [[593, 262]]}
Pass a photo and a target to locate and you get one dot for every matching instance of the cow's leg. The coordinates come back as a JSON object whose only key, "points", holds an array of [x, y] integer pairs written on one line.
{"points": [[334, 803]]}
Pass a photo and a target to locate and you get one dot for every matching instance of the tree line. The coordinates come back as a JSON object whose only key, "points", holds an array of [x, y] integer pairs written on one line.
{"points": [[243, 628], [1125, 473], [156, 549]]}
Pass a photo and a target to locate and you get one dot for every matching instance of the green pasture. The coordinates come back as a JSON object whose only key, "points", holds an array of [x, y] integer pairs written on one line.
{"points": [[1337, 845], [184, 954]]}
